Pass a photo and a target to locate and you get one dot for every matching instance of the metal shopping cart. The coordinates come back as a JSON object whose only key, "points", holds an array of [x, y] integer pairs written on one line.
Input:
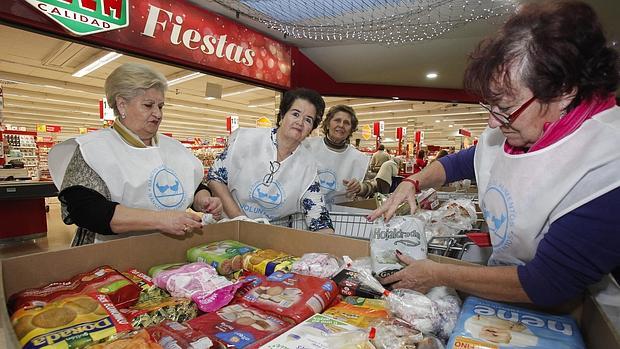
{"points": [[353, 225]]}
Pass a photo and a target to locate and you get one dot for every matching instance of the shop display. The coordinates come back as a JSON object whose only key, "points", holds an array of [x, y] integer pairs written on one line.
{"points": [[225, 256], [43, 149], [488, 324], [206, 154], [21, 151]]}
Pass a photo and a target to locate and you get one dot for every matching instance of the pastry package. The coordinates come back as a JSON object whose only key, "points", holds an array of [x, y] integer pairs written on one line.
{"points": [[351, 284], [360, 314], [148, 289], [225, 256], [428, 199], [405, 234], [450, 218], [268, 261], [290, 295], [321, 332], [394, 333], [487, 324], [234, 326], [200, 282], [105, 280], [70, 322], [153, 271], [152, 312], [133, 340], [321, 265]]}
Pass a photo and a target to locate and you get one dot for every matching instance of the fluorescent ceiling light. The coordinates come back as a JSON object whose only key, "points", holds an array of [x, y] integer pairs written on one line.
{"points": [[210, 98], [437, 120], [97, 64], [450, 125], [374, 103], [432, 75], [252, 89], [184, 78], [385, 111]]}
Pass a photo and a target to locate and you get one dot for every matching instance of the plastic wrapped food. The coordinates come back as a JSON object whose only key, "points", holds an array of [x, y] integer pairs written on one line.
{"points": [[148, 289], [395, 334], [154, 311], [351, 284], [134, 340], [268, 261], [153, 271], [358, 315], [321, 265], [405, 234], [225, 256]]}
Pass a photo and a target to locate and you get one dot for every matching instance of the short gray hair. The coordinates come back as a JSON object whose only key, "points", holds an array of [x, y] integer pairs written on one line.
{"points": [[128, 80]]}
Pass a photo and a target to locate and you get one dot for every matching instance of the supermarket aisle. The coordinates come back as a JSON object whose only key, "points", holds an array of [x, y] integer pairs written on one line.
{"points": [[58, 237]]}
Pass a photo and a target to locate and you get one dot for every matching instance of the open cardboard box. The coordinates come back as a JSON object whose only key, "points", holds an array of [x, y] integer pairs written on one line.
{"points": [[143, 252]]}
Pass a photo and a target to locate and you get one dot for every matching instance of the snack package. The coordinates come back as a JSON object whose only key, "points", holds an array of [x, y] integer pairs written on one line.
{"points": [[234, 326], [153, 271], [321, 265], [267, 261], [105, 280], [405, 234], [319, 332], [71, 322], [350, 284], [486, 324], [357, 315], [289, 295], [152, 312], [450, 218], [148, 289], [134, 340], [394, 333], [428, 199], [225, 256]]}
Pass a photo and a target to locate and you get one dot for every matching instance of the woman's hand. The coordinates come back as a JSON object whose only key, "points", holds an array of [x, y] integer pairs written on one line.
{"points": [[404, 192], [205, 203], [178, 222], [418, 275], [353, 186]]}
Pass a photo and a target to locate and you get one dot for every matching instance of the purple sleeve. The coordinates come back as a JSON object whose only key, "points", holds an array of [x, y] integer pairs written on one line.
{"points": [[577, 251], [459, 165]]}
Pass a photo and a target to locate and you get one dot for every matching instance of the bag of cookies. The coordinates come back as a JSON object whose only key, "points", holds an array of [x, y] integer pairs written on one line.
{"points": [[225, 256], [351, 284], [290, 295], [234, 326], [105, 280], [486, 324], [148, 289], [268, 261], [72, 322], [153, 311]]}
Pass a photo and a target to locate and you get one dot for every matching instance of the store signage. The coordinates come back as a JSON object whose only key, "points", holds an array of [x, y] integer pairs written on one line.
{"points": [[84, 17], [263, 122], [419, 136], [366, 132], [232, 123], [464, 132], [174, 31], [45, 139], [48, 128], [105, 112], [401, 132], [379, 127]]}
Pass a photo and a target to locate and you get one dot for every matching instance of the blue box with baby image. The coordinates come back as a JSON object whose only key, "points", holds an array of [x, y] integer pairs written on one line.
{"points": [[486, 324]]}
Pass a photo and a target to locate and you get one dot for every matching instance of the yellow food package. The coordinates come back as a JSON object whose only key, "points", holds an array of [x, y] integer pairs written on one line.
{"points": [[267, 261], [358, 315]]}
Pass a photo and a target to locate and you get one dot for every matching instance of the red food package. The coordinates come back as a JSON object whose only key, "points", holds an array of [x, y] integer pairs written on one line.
{"points": [[105, 280], [290, 295], [234, 326]]}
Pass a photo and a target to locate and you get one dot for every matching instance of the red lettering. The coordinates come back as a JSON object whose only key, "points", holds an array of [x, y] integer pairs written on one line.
{"points": [[88, 4], [116, 5]]}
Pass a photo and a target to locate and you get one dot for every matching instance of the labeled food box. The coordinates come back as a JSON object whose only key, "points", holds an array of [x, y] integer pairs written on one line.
{"points": [[225, 256], [268, 261]]}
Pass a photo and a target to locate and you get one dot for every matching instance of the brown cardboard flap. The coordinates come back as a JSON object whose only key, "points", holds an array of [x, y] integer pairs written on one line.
{"points": [[597, 330], [369, 204]]}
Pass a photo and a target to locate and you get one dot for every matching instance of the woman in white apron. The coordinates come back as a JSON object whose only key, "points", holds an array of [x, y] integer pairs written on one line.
{"points": [[547, 167], [129, 179], [341, 166], [266, 173]]}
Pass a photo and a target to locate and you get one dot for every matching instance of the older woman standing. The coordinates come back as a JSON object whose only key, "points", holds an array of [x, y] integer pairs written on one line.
{"points": [[267, 173], [128, 178], [547, 166], [341, 166]]}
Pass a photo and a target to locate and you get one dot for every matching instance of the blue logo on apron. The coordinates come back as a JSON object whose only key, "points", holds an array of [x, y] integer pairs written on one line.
{"points": [[269, 196], [495, 210], [327, 180], [166, 188]]}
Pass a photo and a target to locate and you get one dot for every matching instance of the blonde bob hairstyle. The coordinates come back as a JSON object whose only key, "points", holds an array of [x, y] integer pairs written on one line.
{"points": [[131, 79], [330, 115]]}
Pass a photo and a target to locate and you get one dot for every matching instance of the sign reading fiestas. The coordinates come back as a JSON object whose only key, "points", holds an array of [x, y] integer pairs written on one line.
{"points": [[84, 17]]}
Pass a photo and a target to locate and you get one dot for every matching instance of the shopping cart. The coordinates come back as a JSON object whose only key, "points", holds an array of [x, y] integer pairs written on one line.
{"points": [[353, 225], [472, 246]]}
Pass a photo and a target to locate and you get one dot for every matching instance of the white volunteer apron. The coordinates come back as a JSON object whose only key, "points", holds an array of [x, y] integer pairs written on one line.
{"points": [[248, 162], [334, 167], [163, 177]]}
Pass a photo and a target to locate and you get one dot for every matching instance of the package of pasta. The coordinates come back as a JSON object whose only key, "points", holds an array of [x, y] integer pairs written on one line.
{"points": [[72, 322], [148, 289], [290, 295], [234, 326], [153, 311], [153, 271], [133, 340], [225, 256], [105, 280], [268, 261], [358, 315]]}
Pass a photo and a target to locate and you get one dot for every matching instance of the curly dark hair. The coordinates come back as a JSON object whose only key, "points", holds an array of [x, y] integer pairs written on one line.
{"points": [[555, 48], [330, 115], [306, 94]]}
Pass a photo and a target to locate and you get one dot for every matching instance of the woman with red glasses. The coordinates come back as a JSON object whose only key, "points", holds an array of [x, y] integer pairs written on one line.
{"points": [[547, 167]]}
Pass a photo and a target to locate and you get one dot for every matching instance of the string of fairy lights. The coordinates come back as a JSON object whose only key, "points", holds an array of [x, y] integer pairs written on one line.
{"points": [[388, 22]]}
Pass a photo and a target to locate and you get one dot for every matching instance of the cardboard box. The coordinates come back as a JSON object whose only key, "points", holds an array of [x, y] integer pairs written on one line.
{"points": [[143, 252]]}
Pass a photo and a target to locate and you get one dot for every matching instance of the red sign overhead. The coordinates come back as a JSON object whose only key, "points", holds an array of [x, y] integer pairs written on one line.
{"points": [[181, 33], [464, 132]]}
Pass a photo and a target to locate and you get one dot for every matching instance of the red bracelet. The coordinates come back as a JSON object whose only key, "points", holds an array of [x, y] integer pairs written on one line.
{"points": [[415, 182]]}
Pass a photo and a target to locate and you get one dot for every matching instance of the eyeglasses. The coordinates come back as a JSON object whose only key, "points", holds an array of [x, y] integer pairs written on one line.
{"points": [[274, 166], [507, 119]]}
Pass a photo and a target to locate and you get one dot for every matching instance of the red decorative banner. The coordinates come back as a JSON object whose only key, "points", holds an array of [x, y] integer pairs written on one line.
{"points": [[180, 33], [464, 132]]}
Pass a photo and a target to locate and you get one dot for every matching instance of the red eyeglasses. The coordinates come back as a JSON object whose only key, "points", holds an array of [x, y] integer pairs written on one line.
{"points": [[507, 119]]}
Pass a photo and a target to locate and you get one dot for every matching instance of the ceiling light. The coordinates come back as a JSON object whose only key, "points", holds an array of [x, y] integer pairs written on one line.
{"points": [[450, 125], [374, 103], [97, 64], [437, 120], [251, 89], [184, 78], [432, 75]]}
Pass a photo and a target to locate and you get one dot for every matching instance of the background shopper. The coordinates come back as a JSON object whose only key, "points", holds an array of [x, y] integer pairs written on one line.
{"points": [[378, 158], [129, 178], [420, 161], [548, 80], [266, 173]]}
